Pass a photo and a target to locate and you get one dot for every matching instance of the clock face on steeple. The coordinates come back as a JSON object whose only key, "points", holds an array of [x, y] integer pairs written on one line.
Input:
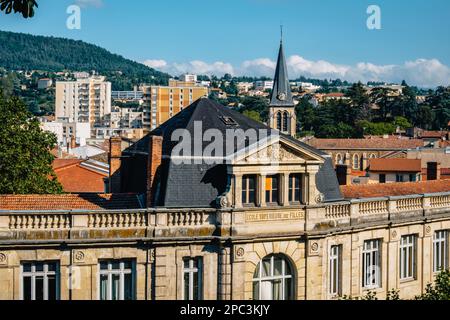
{"points": [[281, 96]]}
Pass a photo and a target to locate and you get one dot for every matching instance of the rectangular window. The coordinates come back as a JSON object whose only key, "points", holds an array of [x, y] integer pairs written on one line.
{"points": [[335, 270], [440, 250], [371, 258], [382, 178], [117, 280], [412, 177], [399, 178], [272, 189], [40, 281], [408, 257], [192, 279], [295, 187], [249, 190]]}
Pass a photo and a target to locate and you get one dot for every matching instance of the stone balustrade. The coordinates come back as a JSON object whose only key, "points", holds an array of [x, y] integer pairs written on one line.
{"points": [[174, 223]]}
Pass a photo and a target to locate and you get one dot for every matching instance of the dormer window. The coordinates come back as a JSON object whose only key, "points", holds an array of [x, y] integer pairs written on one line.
{"points": [[249, 190], [272, 189]]}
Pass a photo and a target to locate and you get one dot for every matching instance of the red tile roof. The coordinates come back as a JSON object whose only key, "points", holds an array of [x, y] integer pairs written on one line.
{"points": [[76, 178], [395, 189], [395, 165], [69, 202], [371, 144]]}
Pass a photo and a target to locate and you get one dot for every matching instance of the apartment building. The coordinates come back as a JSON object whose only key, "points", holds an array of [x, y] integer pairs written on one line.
{"points": [[163, 102], [86, 100]]}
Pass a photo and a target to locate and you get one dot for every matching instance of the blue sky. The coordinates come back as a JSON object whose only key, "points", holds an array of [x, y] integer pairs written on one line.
{"points": [[323, 38]]}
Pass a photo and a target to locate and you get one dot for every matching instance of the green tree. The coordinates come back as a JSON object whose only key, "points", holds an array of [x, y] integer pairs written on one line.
{"points": [[440, 290], [258, 104], [384, 99], [25, 158], [25, 7], [252, 115], [360, 101]]}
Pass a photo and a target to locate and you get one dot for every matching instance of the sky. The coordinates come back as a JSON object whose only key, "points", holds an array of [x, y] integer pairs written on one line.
{"points": [[322, 38]]}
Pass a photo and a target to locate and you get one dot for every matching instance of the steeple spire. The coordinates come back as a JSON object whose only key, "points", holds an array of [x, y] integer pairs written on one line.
{"points": [[281, 93]]}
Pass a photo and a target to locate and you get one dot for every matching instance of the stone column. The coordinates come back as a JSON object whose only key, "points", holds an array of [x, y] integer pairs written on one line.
{"points": [[261, 190], [238, 190], [224, 289], [284, 185]]}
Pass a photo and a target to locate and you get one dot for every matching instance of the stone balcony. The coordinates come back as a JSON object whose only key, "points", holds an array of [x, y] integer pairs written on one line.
{"points": [[197, 224]]}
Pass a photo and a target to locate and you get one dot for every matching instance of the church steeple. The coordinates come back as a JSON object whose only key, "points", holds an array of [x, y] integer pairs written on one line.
{"points": [[281, 92], [282, 112]]}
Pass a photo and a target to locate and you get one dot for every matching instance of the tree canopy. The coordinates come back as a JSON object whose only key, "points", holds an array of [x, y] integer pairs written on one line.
{"points": [[25, 158], [25, 7]]}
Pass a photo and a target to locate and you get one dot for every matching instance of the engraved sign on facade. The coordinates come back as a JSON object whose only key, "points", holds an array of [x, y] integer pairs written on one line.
{"points": [[274, 216]]}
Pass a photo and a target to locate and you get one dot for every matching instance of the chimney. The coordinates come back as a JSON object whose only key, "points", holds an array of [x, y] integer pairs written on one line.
{"points": [[115, 162], [73, 142], [154, 162], [344, 175], [433, 171]]}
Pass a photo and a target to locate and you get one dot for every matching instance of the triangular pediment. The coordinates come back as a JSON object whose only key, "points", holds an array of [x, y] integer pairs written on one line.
{"points": [[279, 151]]}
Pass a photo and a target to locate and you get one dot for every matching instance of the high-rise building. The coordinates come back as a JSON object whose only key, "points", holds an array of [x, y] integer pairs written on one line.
{"points": [[163, 102], [86, 100]]}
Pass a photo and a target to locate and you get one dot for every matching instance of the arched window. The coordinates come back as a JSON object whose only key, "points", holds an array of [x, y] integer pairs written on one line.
{"points": [[339, 159], [356, 162], [279, 120], [373, 156], [273, 279], [285, 121]]}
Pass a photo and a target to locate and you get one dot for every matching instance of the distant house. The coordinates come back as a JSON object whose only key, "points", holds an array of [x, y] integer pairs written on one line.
{"points": [[394, 170], [78, 176], [44, 83]]}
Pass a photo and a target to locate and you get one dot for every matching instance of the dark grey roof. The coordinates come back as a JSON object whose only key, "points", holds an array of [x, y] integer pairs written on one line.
{"points": [[198, 185], [281, 92]]}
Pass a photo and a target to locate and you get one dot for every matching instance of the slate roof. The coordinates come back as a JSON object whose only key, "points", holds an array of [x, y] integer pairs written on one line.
{"points": [[198, 185], [394, 189], [88, 201], [281, 83]]}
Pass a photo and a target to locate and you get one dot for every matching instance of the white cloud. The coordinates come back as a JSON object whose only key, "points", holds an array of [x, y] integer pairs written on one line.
{"points": [[420, 72], [89, 3]]}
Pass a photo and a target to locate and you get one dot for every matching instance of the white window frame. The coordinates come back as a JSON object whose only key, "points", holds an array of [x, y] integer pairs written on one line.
{"points": [[121, 272], [371, 258], [408, 257], [440, 244], [33, 274], [335, 278], [272, 277], [292, 188], [191, 270]]}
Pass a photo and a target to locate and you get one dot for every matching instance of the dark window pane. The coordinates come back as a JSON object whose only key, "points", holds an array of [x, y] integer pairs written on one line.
{"points": [[196, 287], [127, 264], [128, 282], [52, 287], [251, 182], [115, 287], [27, 267], [39, 266], [186, 286], [52, 267], [251, 197], [103, 287], [27, 288], [256, 290], [39, 288], [104, 265], [116, 265]]}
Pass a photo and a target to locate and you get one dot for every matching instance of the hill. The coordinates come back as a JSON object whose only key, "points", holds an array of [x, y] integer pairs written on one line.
{"points": [[28, 52]]}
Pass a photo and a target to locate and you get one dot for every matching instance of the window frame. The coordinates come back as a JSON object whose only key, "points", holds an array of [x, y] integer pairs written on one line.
{"points": [[121, 272], [45, 273], [408, 257], [191, 270], [371, 256], [246, 191], [355, 158], [285, 266], [335, 280], [271, 191], [441, 241], [292, 187]]}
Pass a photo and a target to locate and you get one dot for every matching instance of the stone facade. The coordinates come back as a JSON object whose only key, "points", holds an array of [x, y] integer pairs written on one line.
{"points": [[230, 241]]}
